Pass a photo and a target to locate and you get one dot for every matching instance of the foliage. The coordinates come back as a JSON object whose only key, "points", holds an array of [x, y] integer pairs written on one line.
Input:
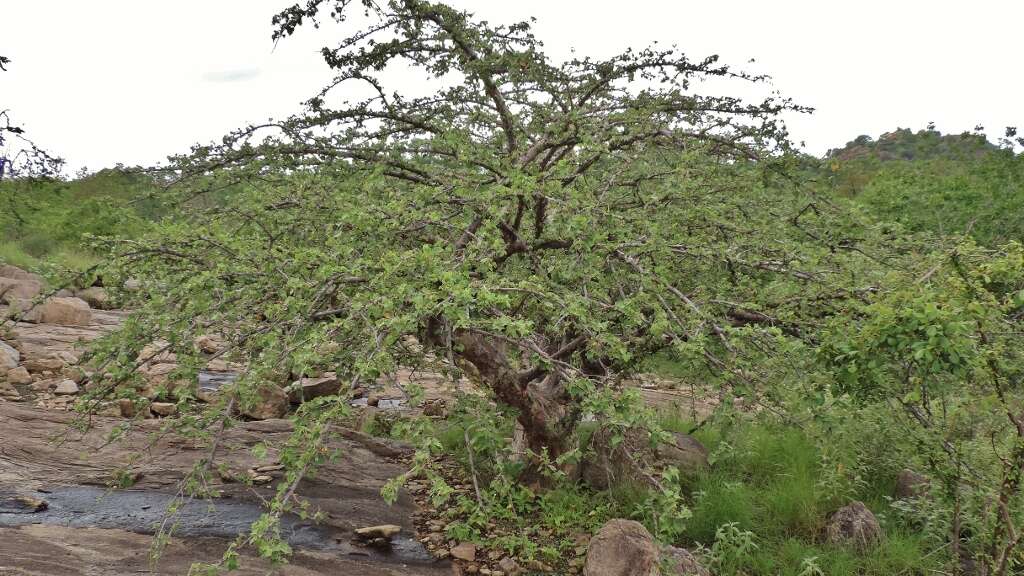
{"points": [[944, 352]]}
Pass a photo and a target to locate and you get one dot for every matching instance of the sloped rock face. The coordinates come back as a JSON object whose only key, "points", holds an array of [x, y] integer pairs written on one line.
{"points": [[853, 525], [622, 548]]}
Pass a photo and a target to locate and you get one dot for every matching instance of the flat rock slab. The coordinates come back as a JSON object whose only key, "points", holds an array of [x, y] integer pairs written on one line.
{"points": [[38, 451]]}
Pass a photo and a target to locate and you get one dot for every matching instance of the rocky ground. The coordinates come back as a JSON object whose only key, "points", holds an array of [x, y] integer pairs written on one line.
{"points": [[58, 515]]}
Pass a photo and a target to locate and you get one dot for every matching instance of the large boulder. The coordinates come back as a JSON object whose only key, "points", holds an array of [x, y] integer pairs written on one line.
{"points": [[15, 273], [271, 402], [853, 525], [58, 310], [12, 291], [622, 548], [308, 388]]}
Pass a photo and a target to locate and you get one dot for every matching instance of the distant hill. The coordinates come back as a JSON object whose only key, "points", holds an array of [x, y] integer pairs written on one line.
{"points": [[929, 182], [904, 144]]}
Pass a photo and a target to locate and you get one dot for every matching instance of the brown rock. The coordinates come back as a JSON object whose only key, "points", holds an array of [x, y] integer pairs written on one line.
{"points": [[910, 484], [19, 375], [66, 388], [163, 408], [622, 548], [96, 297], [207, 344], [309, 388], [509, 566], [48, 364], [685, 453], [12, 291], [8, 392], [386, 531], [681, 562], [127, 407], [853, 525], [271, 402], [607, 463], [63, 312], [465, 551], [13, 272]]}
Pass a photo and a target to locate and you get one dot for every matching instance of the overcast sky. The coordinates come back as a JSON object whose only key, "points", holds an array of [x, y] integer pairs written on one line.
{"points": [[132, 81]]}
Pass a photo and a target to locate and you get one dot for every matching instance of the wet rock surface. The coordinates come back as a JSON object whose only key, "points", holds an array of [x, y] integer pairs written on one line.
{"points": [[347, 492]]}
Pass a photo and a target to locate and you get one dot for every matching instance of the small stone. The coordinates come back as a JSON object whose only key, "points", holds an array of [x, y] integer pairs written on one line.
{"points": [[66, 388], [262, 479], [127, 407], [270, 468], [509, 566], [163, 408], [464, 551], [386, 531]]}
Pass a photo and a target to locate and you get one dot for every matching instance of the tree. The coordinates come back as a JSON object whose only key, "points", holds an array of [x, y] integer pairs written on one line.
{"points": [[545, 227], [25, 159]]}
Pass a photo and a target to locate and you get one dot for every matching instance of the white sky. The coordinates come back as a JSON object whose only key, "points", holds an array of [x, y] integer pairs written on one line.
{"points": [[132, 81]]}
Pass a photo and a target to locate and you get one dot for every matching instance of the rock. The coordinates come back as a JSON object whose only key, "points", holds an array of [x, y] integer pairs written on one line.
{"points": [[207, 344], [374, 399], [9, 357], [271, 402], [605, 466], [910, 484], [163, 408], [12, 290], [21, 504], [96, 297], [853, 525], [47, 364], [62, 311], [8, 392], [681, 562], [465, 551], [685, 453], [15, 273], [436, 407], [127, 407], [621, 548], [309, 388], [19, 375], [66, 388], [386, 531], [509, 566]]}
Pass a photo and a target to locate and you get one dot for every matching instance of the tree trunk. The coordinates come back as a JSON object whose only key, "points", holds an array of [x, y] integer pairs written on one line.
{"points": [[547, 414]]}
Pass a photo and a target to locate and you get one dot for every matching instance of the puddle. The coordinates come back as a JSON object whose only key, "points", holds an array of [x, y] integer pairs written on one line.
{"points": [[142, 512], [212, 381], [383, 404]]}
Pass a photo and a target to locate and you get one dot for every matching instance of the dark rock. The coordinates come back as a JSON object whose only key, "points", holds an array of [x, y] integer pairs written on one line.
{"points": [[853, 525]]}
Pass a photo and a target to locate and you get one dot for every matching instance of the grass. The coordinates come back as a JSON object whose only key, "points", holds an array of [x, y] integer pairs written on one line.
{"points": [[771, 480]]}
